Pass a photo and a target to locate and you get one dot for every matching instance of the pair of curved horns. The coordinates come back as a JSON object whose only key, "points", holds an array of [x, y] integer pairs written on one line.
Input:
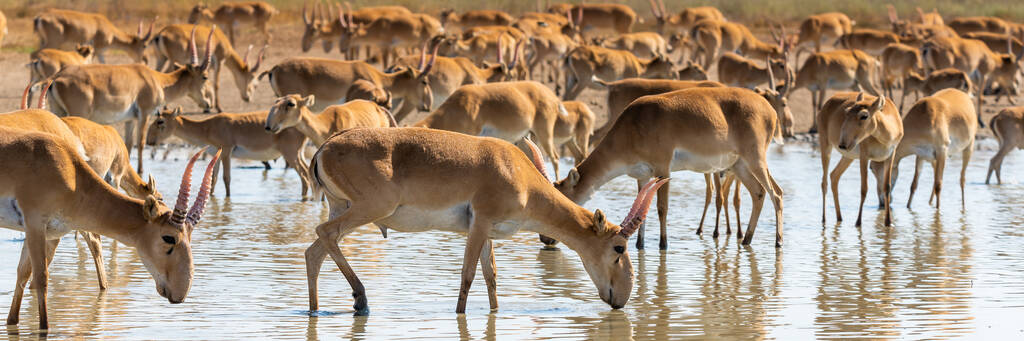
{"points": [[657, 9], [259, 59], [186, 217], [641, 205], [42, 96], [193, 51]]}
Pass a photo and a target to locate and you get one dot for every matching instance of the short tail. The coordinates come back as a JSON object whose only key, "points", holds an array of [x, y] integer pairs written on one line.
{"points": [[315, 184], [265, 73], [598, 81], [995, 131]]}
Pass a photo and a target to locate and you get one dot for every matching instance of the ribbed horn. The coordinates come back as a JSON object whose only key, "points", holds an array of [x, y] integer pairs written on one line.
{"points": [[196, 212], [181, 205], [535, 156], [632, 222]]}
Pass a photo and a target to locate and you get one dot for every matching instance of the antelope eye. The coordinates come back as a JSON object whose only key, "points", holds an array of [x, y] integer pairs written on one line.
{"points": [[619, 249], [291, 104], [170, 240], [863, 117]]}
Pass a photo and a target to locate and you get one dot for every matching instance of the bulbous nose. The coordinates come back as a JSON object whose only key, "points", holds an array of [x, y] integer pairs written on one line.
{"points": [[842, 146]]}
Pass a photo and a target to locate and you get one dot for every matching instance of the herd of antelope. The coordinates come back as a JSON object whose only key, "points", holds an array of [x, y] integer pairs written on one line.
{"points": [[491, 84]]}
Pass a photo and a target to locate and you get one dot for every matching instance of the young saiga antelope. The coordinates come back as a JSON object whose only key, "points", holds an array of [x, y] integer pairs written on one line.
{"points": [[837, 69], [937, 126], [862, 127], [293, 111], [1008, 128], [48, 190], [704, 130], [241, 136], [59, 27], [406, 177]]}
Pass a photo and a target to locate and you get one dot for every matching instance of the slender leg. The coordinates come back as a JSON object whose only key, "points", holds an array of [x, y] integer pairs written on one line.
{"points": [[329, 233], [826, 154], [643, 226], [837, 172], [35, 239], [95, 248], [735, 202], [764, 178], [863, 163], [968, 151], [726, 185], [707, 201], [490, 274], [913, 184], [24, 272], [718, 202], [141, 140], [997, 161], [756, 191], [887, 180], [663, 213], [478, 235], [940, 167], [226, 163]]}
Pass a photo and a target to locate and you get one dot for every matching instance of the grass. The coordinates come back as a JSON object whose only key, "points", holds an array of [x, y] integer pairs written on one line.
{"points": [[752, 12]]}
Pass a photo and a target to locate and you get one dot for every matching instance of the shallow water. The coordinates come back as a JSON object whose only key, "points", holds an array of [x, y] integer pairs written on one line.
{"points": [[933, 275]]}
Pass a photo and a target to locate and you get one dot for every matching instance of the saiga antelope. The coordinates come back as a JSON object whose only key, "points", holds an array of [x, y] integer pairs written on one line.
{"points": [[49, 190], [474, 18], [58, 27], [623, 92], [389, 33], [605, 18], [479, 48], [641, 44], [172, 44], [329, 80], [668, 24], [963, 25], [363, 16], [837, 69], [821, 29], [970, 56], [871, 41], [241, 136], [47, 62], [917, 29], [586, 62], [948, 78], [1008, 128], [407, 185], [109, 94], [230, 14], [705, 130], [449, 73], [574, 129], [736, 70], [997, 42], [935, 127], [366, 90], [505, 110], [319, 26], [691, 72], [293, 111], [863, 127], [899, 61]]}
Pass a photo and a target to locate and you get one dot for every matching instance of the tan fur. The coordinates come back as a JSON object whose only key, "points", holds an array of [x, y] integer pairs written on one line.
{"points": [[233, 132], [366, 90], [963, 25], [623, 92], [448, 74], [736, 70], [717, 128], [682, 23], [837, 69], [59, 27], [599, 18], [972, 57], [918, 29], [868, 40], [935, 128], [474, 18], [948, 78], [642, 44], [227, 15], [574, 129], [997, 42], [823, 29], [391, 33], [863, 127], [404, 170], [899, 61], [172, 46], [506, 110], [46, 62], [1008, 128], [3, 27], [330, 80], [58, 185], [293, 111], [586, 62]]}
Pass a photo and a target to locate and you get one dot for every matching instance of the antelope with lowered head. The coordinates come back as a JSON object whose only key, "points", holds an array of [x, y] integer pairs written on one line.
{"points": [[1008, 128], [241, 136], [935, 127], [172, 45], [109, 94], [59, 27], [49, 190], [623, 92], [230, 14], [407, 176], [505, 110], [705, 130]]}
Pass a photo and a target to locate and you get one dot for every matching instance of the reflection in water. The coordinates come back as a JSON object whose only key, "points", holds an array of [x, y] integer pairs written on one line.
{"points": [[921, 279]]}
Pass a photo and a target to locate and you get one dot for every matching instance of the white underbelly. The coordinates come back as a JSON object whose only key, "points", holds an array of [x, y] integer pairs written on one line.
{"points": [[685, 160], [511, 136], [11, 217], [456, 218], [243, 153]]}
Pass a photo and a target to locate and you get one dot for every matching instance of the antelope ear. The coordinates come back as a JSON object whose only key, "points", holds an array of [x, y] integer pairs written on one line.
{"points": [[309, 101], [151, 184], [151, 209], [573, 178], [599, 221], [878, 105], [860, 96]]}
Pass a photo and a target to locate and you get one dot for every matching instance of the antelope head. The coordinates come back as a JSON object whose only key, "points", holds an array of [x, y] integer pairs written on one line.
{"points": [[142, 190], [137, 46], [415, 81], [692, 71], [200, 12], [606, 259], [659, 67], [574, 28], [349, 28], [246, 82], [164, 243], [287, 111], [658, 10], [163, 126], [777, 95], [316, 27], [860, 120], [448, 16], [899, 26], [198, 85], [86, 51]]}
